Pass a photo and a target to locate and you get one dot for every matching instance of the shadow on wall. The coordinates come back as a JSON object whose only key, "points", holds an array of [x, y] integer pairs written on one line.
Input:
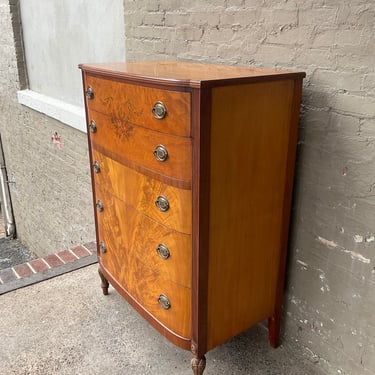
{"points": [[331, 259]]}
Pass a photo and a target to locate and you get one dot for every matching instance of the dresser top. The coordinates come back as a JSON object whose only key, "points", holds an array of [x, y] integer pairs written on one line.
{"points": [[187, 74]]}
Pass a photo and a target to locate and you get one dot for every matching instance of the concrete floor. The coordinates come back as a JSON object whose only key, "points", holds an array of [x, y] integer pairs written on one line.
{"points": [[66, 326]]}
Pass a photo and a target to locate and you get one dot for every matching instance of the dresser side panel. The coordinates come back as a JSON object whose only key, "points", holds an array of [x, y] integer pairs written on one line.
{"points": [[249, 147]]}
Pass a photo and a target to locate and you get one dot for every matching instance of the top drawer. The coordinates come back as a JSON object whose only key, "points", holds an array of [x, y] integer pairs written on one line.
{"points": [[134, 104]]}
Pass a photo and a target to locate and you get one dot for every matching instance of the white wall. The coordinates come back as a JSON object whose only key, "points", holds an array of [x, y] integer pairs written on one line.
{"points": [[58, 35]]}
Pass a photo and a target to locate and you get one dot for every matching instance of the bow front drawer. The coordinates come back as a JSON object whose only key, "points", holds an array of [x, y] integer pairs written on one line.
{"points": [[136, 146], [142, 193], [162, 110]]}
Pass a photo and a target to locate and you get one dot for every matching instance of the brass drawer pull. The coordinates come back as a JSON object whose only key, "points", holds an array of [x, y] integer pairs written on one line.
{"points": [[96, 166], [160, 153], [159, 110], [93, 127], [163, 251], [162, 203], [164, 302], [100, 206], [103, 247], [90, 93]]}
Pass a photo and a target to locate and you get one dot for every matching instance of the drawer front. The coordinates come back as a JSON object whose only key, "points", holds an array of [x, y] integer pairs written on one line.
{"points": [[141, 192], [133, 144], [131, 258], [133, 105], [128, 233], [146, 287]]}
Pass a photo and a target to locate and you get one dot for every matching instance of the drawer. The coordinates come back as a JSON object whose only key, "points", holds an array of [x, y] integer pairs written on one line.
{"points": [[146, 287], [128, 233], [133, 105], [141, 192], [136, 145]]}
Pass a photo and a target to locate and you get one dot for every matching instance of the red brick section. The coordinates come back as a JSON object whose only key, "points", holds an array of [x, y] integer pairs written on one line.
{"points": [[53, 260], [66, 256], [80, 251], [38, 265], [42, 264], [23, 270]]}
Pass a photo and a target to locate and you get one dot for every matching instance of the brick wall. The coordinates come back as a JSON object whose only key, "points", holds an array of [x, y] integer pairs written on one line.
{"points": [[50, 188], [331, 271]]}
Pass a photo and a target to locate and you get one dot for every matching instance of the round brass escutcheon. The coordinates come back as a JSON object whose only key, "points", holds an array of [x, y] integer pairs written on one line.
{"points": [[162, 203], [163, 251], [100, 206], [103, 247], [93, 127], [159, 111], [160, 153], [164, 302], [90, 93]]}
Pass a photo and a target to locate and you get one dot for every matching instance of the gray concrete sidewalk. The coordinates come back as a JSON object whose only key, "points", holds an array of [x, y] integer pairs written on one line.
{"points": [[66, 326]]}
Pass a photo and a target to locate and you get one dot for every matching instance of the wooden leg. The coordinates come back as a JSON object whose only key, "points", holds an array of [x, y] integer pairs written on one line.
{"points": [[274, 330], [105, 283], [198, 365]]}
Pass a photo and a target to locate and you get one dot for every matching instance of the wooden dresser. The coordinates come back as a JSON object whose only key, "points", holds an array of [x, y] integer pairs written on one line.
{"points": [[192, 173]]}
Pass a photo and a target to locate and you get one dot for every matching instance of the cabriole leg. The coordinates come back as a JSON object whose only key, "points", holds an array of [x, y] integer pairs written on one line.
{"points": [[105, 283], [198, 365]]}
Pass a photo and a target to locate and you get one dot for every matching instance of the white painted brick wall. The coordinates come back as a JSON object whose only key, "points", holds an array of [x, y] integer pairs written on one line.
{"points": [[50, 188], [330, 272]]}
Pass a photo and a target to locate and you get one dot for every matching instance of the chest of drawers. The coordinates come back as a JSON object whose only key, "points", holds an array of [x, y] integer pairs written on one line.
{"points": [[192, 173]]}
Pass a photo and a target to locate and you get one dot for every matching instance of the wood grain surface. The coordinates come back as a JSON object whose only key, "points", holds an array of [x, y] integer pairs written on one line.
{"points": [[138, 235], [132, 104], [180, 74], [131, 260], [137, 144], [251, 124], [141, 192]]}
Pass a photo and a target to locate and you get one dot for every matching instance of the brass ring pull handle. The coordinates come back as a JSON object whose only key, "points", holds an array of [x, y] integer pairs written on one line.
{"points": [[93, 127], [159, 111], [162, 203], [164, 302], [160, 153], [103, 247], [96, 166], [163, 251], [89, 93]]}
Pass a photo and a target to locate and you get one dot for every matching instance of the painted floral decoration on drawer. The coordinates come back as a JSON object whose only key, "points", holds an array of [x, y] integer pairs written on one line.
{"points": [[122, 116]]}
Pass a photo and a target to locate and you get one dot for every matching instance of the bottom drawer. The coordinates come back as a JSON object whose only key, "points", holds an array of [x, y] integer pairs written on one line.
{"points": [[167, 302]]}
